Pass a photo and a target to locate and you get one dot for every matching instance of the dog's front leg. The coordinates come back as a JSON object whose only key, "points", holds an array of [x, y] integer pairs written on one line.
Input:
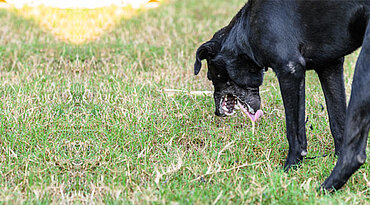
{"points": [[292, 86]]}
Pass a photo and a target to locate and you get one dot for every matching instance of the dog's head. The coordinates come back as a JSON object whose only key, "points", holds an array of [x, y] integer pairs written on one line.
{"points": [[236, 79]]}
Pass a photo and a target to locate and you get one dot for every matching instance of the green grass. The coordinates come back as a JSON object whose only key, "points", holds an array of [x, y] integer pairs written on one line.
{"points": [[92, 123]]}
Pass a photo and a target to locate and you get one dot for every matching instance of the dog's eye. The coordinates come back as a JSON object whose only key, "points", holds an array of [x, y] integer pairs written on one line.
{"points": [[218, 76]]}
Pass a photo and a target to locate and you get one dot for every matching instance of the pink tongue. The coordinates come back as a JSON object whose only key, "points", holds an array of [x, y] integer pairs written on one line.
{"points": [[255, 116]]}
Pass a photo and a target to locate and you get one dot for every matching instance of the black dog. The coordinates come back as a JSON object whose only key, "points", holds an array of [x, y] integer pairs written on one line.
{"points": [[291, 37]]}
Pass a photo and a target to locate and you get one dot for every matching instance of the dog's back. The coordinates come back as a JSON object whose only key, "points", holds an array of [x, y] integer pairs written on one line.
{"points": [[323, 23]]}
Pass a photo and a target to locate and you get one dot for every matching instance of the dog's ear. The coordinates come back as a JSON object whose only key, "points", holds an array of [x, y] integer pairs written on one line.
{"points": [[207, 50]]}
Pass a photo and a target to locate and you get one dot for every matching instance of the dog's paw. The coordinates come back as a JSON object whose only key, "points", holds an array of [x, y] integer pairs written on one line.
{"points": [[292, 162]]}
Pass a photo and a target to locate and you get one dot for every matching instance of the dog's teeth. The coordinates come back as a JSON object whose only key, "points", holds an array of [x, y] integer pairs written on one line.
{"points": [[227, 113], [225, 108]]}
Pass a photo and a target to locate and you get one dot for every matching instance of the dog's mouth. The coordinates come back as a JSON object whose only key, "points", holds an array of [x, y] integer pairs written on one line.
{"points": [[229, 103]]}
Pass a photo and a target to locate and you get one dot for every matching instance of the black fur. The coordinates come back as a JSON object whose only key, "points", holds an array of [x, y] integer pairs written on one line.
{"points": [[291, 37]]}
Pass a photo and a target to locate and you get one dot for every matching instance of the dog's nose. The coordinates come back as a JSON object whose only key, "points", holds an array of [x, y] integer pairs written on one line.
{"points": [[255, 104], [255, 107]]}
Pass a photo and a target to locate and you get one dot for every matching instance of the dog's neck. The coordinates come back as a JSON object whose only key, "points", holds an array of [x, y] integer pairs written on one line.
{"points": [[236, 36]]}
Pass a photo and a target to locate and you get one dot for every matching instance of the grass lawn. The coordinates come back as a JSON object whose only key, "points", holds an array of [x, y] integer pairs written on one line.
{"points": [[92, 123]]}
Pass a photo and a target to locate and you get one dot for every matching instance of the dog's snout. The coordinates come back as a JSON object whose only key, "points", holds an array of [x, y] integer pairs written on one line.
{"points": [[255, 104]]}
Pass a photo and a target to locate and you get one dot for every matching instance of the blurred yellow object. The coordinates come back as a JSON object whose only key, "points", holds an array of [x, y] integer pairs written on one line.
{"points": [[3, 1], [79, 26], [76, 26]]}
